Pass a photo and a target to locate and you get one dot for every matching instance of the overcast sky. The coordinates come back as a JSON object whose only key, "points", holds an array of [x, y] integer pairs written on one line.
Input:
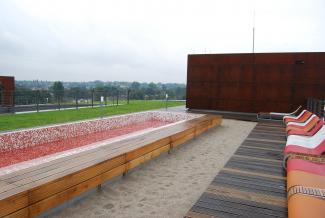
{"points": [[146, 40]]}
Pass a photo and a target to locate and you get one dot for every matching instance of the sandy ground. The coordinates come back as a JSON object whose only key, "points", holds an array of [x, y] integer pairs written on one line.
{"points": [[169, 185]]}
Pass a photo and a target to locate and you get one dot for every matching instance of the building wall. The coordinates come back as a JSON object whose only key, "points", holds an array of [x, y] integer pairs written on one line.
{"points": [[7, 84], [254, 82]]}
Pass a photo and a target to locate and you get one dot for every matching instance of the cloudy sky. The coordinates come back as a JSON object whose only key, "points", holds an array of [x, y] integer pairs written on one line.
{"points": [[145, 40]]}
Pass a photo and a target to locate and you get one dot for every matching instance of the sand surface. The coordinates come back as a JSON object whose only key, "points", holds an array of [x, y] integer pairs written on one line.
{"points": [[169, 185]]}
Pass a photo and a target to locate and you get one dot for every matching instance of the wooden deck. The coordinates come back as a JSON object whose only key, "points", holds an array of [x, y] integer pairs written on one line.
{"points": [[252, 183], [29, 192]]}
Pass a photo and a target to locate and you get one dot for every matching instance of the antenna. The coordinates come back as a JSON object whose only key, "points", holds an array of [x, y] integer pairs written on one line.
{"points": [[254, 29]]}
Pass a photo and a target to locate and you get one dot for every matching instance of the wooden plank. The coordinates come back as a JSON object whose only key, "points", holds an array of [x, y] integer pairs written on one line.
{"points": [[253, 173], [5, 186], [13, 203], [54, 200], [202, 127], [147, 148], [182, 134], [241, 206], [19, 214], [68, 181], [147, 157], [192, 214], [182, 140], [265, 148], [255, 197]]}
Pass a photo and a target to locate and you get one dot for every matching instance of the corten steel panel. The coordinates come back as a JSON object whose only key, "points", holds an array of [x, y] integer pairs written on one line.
{"points": [[275, 58], [202, 74], [7, 84], [274, 74], [236, 91], [254, 82], [309, 74], [273, 105], [269, 92]]}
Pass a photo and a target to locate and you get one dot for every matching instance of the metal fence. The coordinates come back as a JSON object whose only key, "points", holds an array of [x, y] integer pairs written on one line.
{"points": [[316, 106], [37, 100]]}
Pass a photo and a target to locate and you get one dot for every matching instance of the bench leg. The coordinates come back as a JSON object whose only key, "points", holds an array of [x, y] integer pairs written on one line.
{"points": [[99, 188]]}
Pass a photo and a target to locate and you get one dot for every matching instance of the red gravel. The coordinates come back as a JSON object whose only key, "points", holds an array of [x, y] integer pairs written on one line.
{"points": [[29, 153]]}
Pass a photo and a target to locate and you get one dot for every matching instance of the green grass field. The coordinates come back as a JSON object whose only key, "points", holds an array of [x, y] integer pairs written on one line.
{"points": [[17, 121]]}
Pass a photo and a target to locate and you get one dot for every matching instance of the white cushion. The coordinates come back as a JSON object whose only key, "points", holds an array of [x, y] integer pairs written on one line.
{"points": [[305, 141]]}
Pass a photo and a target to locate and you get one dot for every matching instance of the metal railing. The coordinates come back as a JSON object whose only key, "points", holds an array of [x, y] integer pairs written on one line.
{"points": [[37, 100], [316, 106]]}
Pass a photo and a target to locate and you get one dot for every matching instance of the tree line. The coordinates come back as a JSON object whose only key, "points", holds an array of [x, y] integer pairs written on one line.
{"points": [[28, 92]]}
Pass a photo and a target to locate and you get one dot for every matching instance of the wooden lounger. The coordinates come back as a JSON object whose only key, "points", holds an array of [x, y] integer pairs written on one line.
{"points": [[309, 130], [307, 126], [306, 188], [314, 145], [299, 124], [275, 115], [301, 118]]}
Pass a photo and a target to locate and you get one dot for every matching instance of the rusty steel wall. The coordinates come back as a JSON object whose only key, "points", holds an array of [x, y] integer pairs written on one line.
{"points": [[7, 87], [254, 82]]}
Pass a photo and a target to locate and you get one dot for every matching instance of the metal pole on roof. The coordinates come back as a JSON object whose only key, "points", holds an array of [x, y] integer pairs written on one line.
{"points": [[254, 30]]}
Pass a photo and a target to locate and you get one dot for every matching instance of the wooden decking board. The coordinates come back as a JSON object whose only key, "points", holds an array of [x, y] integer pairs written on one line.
{"points": [[251, 206], [253, 197], [268, 140], [257, 158], [270, 130], [249, 187], [263, 148], [267, 126], [263, 162], [249, 166], [263, 144], [260, 183], [212, 212], [263, 168], [256, 152], [219, 204], [192, 214], [32, 191], [252, 183], [252, 166], [263, 136]]}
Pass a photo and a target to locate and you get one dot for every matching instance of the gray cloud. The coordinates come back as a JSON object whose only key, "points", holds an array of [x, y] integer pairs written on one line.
{"points": [[145, 40]]}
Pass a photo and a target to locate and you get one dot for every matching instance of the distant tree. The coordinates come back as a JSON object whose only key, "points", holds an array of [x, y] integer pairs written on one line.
{"points": [[135, 85], [58, 90], [152, 90]]}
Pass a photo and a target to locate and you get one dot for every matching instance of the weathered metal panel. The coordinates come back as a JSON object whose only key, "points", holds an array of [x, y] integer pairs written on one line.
{"points": [[7, 87], [254, 82]]}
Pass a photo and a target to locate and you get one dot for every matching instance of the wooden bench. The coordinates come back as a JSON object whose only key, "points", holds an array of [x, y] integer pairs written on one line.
{"points": [[29, 192]]}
